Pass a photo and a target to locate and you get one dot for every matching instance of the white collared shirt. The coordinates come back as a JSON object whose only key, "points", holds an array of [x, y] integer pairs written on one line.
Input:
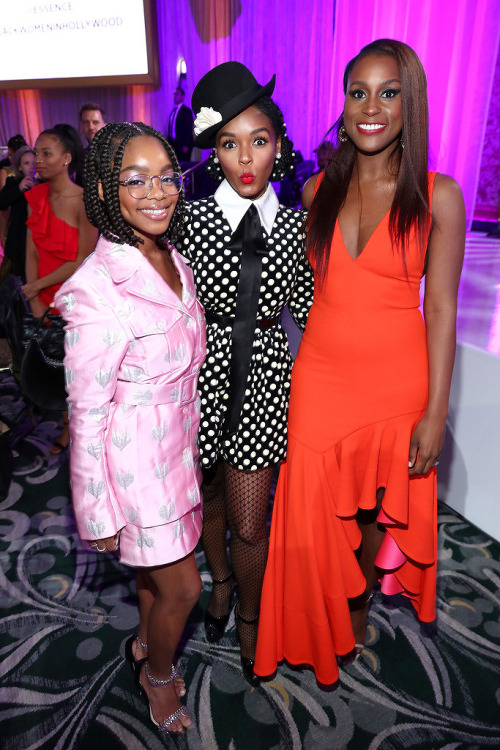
{"points": [[234, 207]]}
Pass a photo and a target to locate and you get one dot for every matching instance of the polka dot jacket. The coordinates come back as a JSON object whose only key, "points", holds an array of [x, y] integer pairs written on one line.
{"points": [[286, 280]]}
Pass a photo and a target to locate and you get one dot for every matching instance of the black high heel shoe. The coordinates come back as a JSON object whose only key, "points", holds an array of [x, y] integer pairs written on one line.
{"points": [[215, 626], [247, 664]]}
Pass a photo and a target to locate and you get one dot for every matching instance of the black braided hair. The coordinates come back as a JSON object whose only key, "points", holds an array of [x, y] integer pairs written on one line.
{"points": [[103, 163], [282, 166], [70, 140]]}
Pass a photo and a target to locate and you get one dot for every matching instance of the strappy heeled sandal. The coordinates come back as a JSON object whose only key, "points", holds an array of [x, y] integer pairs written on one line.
{"points": [[136, 664], [247, 664], [216, 626], [165, 725]]}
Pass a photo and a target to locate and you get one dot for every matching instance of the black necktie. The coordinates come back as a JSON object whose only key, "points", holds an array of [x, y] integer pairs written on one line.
{"points": [[248, 239]]}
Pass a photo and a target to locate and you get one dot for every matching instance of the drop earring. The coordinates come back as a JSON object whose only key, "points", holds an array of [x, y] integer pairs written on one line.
{"points": [[343, 137], [401, 142]]}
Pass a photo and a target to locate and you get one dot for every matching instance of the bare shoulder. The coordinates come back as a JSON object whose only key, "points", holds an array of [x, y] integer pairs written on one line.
{"points": [[447, 197], [447, 237], [75, 201], [75, 192], [308, 191]]}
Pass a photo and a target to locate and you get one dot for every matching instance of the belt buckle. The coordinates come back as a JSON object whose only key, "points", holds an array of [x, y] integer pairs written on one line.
{"points": [[187, 389]]}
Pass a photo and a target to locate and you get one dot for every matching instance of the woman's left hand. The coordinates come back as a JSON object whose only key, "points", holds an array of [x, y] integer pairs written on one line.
{"points": [[426, 444], [31, 289], [26, 183], [109, 544]]}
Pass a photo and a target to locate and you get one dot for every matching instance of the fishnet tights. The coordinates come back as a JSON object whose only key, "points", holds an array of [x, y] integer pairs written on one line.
{"points": [[213, 537], [240, 499]]}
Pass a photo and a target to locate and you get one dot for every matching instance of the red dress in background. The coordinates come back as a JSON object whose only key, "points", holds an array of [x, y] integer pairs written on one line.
{"points": [[56, 242], [359, 387]]}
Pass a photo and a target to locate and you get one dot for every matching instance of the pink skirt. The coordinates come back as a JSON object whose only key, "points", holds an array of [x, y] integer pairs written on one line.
{"points": [[160, 545]]}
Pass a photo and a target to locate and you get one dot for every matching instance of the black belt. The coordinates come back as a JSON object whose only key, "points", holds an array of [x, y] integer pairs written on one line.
{"points": [[227, 320]]}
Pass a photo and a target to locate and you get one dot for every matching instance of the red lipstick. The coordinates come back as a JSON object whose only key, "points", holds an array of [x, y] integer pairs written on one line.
{"points": [[247, 178]]}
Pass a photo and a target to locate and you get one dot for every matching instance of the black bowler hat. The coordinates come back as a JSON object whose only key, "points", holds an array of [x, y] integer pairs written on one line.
{"points": [[222, 93]]}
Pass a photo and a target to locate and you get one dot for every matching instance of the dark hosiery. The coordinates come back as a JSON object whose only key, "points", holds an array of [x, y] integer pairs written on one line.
{"points": [[247, 498], [214, 541]]}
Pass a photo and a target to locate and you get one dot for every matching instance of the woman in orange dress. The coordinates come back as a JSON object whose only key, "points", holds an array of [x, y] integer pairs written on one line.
{"points": [[59, 235], [356, 498]]}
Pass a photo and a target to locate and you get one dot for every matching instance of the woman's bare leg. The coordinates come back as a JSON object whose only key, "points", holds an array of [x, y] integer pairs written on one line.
{"points": [[146, 592], [178, 588]]}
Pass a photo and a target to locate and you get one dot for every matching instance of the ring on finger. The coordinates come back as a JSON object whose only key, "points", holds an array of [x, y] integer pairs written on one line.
{"points": [[436, 463], [101, 550], [93, 544]]}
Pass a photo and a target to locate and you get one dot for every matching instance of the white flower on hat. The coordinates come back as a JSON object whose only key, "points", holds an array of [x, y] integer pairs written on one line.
{"points": [[205, 118]]}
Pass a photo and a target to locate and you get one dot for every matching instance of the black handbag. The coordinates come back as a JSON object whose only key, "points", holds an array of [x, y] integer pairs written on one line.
{"points": [[42, 365]]}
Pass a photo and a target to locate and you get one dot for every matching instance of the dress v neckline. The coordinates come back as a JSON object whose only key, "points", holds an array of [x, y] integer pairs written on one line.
{"points": [[354, 259]]}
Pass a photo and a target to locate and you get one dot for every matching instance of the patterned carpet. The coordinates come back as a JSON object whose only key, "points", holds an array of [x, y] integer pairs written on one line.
{"points": [[66, 615]]}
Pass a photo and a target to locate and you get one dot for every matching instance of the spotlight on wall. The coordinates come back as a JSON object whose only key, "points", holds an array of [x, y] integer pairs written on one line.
{"points": [[181, 70]]}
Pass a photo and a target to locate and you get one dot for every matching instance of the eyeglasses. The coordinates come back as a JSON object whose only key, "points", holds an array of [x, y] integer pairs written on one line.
{"points": [[141, 185]]}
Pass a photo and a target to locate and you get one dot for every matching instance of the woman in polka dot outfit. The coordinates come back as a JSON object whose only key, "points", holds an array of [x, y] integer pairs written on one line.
{"points": [[246, 253]]}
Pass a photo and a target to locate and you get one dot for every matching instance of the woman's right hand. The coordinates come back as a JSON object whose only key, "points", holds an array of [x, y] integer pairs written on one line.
{"points": [[109, 544]]}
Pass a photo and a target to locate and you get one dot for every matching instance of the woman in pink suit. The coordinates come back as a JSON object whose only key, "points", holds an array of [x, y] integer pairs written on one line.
{"points": [[135, 341]]}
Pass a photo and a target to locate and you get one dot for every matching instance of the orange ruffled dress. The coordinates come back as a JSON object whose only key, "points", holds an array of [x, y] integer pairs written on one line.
{"points": [[56, 242], [359, 387]]}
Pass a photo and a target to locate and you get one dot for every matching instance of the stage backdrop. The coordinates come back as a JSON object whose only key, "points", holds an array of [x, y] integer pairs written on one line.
{"points": [[307, 45]]}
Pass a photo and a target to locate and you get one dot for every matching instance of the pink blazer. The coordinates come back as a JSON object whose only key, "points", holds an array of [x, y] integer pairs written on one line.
{"points": [[133, 353]]}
